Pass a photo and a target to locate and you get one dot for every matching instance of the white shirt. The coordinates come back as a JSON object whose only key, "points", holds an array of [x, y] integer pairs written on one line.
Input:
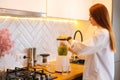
{"points": [[99, 62]]}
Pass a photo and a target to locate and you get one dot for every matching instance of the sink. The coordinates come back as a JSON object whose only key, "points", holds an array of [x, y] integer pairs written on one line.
{"points": [[80, 61]]}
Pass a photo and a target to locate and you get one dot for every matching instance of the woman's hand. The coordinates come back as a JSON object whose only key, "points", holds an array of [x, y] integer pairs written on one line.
{"points": [[69, 48], [72, 51], [70, 41]]}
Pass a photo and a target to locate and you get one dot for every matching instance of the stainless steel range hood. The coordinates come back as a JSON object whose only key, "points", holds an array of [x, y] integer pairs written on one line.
{"points": [[20, 13]]}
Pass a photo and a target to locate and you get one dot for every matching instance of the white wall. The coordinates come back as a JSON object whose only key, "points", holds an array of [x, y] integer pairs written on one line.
{"points": [[38, 33], [116, 26]]}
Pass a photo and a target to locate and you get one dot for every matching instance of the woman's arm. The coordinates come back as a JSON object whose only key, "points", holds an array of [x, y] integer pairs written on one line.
{"points": [[95, 43], [72, 51]]}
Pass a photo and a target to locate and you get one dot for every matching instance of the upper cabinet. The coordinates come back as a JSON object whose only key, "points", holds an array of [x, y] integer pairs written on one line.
{"points": [[27, 5], [72, 9]]}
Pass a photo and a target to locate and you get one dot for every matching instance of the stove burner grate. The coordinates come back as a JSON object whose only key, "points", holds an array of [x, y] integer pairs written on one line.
{"points": [[25, 74]]}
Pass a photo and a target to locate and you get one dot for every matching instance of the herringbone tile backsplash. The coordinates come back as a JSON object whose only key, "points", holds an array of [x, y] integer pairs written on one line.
{"points": [[38, 33]]}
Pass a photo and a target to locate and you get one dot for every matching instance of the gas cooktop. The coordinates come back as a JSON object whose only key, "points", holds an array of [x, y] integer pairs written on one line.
{"points": [[25, 74]]}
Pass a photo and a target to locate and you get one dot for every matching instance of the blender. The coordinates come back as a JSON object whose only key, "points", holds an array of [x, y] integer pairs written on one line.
{"points": [[62, 61]]}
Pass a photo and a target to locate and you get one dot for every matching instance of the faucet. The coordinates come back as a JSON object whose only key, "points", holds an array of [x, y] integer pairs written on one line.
{"points": [[76, 59], [80, 34]]}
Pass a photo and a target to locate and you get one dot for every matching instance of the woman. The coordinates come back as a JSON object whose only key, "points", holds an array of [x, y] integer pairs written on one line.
{"points": [[99, 49]]}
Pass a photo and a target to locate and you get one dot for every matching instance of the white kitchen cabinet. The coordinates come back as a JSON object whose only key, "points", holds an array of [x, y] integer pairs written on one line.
{"points": [[27, 5], [72, 9]]}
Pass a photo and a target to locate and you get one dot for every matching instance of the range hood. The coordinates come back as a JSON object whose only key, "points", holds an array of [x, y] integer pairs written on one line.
{"points": [[20, 13]]}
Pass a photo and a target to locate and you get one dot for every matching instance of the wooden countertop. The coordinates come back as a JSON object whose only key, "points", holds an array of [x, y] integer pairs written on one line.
{"points": [[76, 71]]}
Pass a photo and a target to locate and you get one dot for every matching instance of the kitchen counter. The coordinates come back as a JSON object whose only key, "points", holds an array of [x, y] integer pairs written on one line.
{"points": [[76, 71]]}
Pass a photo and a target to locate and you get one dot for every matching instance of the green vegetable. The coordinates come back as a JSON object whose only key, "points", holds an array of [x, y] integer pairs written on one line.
{"points": [[62, 50]]}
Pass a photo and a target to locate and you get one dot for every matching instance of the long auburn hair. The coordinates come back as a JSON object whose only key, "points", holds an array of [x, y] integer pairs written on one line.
{"points": [[100, 14]]}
